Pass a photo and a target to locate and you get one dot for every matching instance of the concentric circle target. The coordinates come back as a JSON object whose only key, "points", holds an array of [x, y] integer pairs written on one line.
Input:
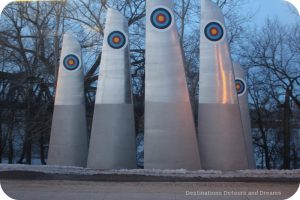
{"points": [[71, 62], [161, 18], [214, 31], [240, 86], [116, 40]]}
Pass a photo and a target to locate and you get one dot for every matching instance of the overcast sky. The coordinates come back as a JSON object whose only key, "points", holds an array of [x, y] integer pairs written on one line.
{"points": [[272, 9]]}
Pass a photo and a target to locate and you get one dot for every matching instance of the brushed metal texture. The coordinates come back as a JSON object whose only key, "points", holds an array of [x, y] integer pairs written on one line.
{"points": [[220, 131], [112, 143], [68, 140], [170, 137], [244, 107]]}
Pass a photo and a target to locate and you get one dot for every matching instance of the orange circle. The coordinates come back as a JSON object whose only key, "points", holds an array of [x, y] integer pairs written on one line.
{"points": [[161, 18], [238, 86], [116, 40], [71, 62], [214, 31]]}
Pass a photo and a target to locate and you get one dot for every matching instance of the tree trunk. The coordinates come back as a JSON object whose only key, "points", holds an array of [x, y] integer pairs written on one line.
{"points": [[266, 149], [10, 148], [1, 140], [286, 131], [42, 150], [27, 146], [28, 137], [20, 161], [10, 144], [10, 137], [264, 138], [28, 149]]}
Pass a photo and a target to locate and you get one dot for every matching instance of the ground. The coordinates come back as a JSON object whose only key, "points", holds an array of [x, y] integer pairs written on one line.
{"points": [[90, 190], [68, 183]]}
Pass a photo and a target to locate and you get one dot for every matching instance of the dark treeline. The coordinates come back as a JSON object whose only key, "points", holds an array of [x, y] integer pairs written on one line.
{"points": [[31, 38]]}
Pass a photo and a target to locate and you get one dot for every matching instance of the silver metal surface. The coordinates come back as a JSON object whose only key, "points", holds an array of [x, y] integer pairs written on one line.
{"points": [[114, 76], [244, 107], [216, 82], [68, 141], [221, 140], [70, 84], [112, 143], [170, 137]]}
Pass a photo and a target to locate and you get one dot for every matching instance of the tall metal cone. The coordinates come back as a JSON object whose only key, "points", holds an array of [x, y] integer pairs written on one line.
{"points": [[68, 141], [170, 137], [242, 91], [221, 140], [112, 143]]}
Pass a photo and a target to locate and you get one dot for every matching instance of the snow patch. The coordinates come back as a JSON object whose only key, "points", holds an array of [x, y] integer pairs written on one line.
{"points": [[69, 170]]}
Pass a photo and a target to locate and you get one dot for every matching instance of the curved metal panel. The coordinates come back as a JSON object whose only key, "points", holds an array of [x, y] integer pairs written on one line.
{"points": [[244, 107], [112, 143], [170, 137], [68, 141], [114, 76], [221, 139], [69, 89], [216, 82]]}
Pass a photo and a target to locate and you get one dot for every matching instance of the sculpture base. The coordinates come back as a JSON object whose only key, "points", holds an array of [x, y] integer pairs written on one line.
{"points": [[221, 139], [68, 143], [112, 143], [170, 138]]}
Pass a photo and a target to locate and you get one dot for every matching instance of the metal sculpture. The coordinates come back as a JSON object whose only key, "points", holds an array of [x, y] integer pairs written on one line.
{"points": [[170, 137], [68, 140], [221, 142], [241, 88], [112, 143]]}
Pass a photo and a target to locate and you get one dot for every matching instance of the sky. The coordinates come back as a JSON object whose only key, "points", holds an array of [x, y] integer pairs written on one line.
{"points": [[272, 9]]}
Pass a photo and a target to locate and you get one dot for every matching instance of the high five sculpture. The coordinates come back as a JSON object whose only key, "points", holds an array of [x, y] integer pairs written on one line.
{"points": [[242, 91], [68, 141], [170, 137], [221, 140], [112, 143]]}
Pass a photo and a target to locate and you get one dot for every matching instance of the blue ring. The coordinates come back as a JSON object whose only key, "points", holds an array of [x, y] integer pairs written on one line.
{"points": [[216, 26], [75, 59], [242, 86], [166, 14], [118, 45]]}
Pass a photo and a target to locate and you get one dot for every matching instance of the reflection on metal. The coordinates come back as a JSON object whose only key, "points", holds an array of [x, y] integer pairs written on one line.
{"points": [[221, 142], [112, 143], [243, 101], [68, 142], [170, 137]]}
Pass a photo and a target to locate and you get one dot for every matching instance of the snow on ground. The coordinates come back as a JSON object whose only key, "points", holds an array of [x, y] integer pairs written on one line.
{"points": [[68, 170]]}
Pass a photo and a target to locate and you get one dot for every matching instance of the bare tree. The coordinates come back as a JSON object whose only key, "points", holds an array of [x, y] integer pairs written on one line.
{"points": [[270, 51]]}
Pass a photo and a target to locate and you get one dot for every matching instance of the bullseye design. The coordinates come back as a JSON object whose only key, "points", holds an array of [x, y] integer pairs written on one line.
{"points": [[240, 86], [214, 31], [71, 62], [116, 40], [161, 18]]}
